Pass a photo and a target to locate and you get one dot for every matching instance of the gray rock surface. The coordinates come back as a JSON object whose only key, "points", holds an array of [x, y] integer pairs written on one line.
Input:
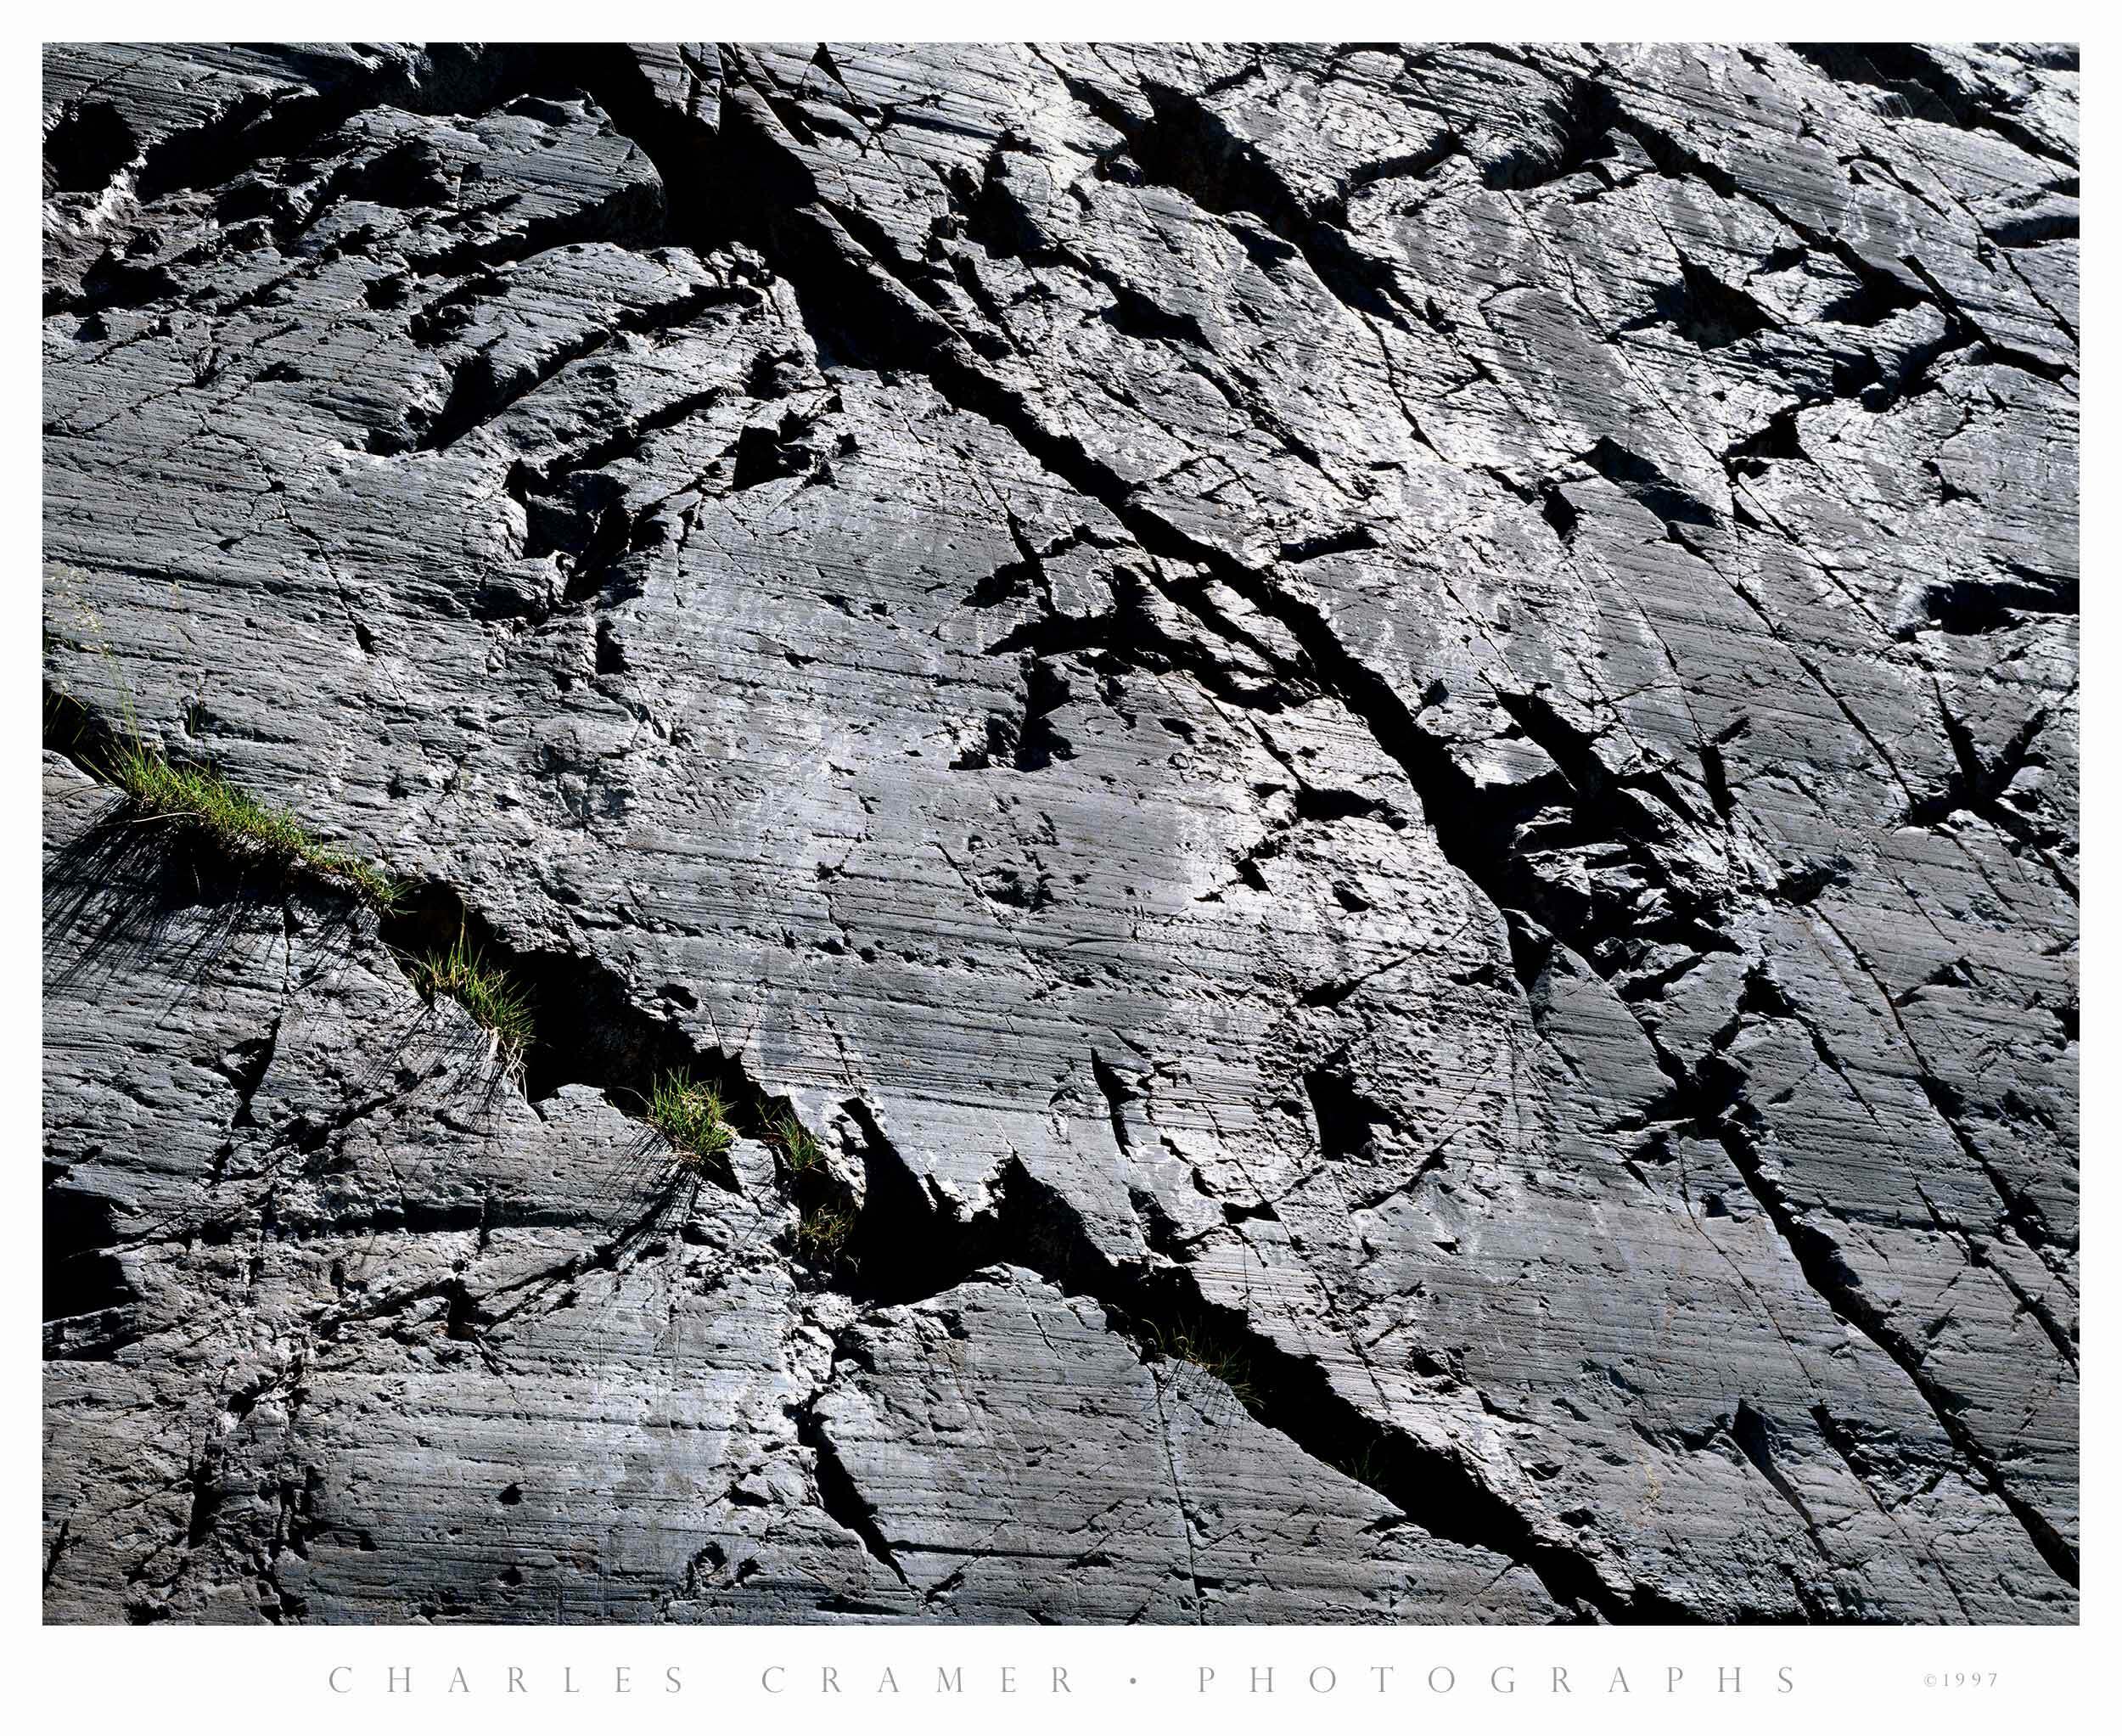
{"points": [[1385, 741]]}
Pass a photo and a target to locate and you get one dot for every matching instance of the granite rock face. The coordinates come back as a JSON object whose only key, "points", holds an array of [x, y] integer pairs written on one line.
{"points": [[1384, 742]]}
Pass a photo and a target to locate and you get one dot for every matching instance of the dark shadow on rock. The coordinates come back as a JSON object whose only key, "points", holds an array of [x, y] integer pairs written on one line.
{"points": [[132, 891]]}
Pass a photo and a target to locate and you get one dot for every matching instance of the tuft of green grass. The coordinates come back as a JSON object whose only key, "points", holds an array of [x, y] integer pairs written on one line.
{"points": [[1366, 1467], [822, 1231], [201, 799], [382, 893], [1211, 1355], [798, 1147], [482, 990], [692, 1117], [824, 1222]]}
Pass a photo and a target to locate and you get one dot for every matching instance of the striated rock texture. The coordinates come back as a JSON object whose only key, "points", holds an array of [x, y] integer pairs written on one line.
{"points": [[1384, 742]]}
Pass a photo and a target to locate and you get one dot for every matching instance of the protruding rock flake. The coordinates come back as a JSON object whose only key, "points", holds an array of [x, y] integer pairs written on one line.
{"points": [[1276, 834]]}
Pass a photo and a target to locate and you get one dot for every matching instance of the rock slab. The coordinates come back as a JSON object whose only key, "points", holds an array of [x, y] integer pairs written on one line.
{"points": [[1383, 742]]}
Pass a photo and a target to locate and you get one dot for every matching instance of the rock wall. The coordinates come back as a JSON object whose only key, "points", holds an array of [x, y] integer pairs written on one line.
{"points": [[1383, 741]]}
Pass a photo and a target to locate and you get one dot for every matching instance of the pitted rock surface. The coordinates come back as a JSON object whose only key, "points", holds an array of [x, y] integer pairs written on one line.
{"points": [[1385, 741]]}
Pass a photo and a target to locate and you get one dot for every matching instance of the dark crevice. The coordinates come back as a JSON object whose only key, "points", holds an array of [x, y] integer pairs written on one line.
{"points": [[589, 1028], [1753, 1436], [909, 1243], [1927, 89], [1830, 1276], [2034, 228], [1649, 486], [1985, 348], [88, 1300], [1994, 604], [1133, 635], [1703, 309], [1039, 744], [58, 1548], [2022, 1210], [1710, 1100], [1349, 541], [1581, 117], [479, 393], [1347, 1118], [1186, 146], [84, 152], [1775, 441], [1984, 785], [838, 1494], [1879, 294], [1118, 1094]]}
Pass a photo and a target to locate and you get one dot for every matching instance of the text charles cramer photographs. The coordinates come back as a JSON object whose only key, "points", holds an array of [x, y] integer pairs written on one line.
{"points": [[1319, 1680]]}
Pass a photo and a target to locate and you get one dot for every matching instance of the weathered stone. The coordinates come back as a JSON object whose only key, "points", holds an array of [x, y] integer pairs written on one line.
{"points": [[1400, 721]]}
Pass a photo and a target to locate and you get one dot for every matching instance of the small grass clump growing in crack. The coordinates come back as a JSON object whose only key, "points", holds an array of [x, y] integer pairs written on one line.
{"points": [[1182, 1343], [822, 1231], [482, 990], [1366, 1466], [797, 1146], [693, 1118], [383, 894], [825, 1221], [240, 825]]}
